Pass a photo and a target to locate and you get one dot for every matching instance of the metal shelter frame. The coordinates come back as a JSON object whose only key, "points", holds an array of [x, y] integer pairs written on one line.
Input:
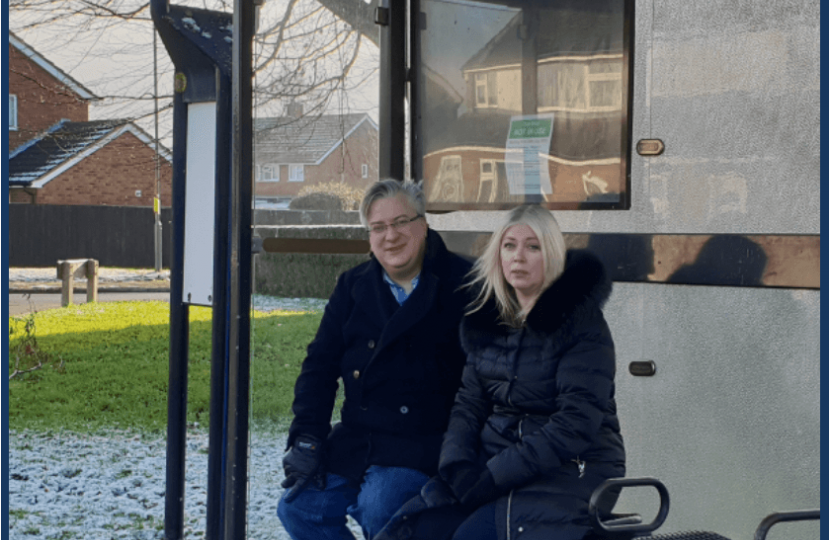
{"points": [[211, 52], [212, 55]]}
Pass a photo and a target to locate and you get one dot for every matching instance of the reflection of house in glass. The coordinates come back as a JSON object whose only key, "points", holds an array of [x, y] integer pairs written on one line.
{"points": [[576, 58]]}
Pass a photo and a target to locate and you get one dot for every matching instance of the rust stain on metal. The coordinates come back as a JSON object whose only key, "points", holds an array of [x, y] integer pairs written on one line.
{"points": [[672, 252]]}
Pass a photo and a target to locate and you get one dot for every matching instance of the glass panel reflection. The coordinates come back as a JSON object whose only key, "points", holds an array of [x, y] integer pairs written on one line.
{"points": [[524, 103]]}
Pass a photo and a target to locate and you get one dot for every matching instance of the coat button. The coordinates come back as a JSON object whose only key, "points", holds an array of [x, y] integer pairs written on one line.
{"points": [[521, 529], [371, 343], [404, 409], [356, 374]]}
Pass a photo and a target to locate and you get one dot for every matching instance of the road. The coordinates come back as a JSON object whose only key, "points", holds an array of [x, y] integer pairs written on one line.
{"points": [[22, 304]]}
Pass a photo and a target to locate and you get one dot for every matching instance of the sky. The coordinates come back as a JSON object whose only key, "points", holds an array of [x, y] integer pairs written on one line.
{"points": [[114, 59]]}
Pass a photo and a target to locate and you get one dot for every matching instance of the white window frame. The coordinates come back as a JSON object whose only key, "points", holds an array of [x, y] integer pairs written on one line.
{"points": [[606, 76], [292, 176], [487, 176], [480, 79], [270, 172], [488, 82], [13, 112], [587, 79]]}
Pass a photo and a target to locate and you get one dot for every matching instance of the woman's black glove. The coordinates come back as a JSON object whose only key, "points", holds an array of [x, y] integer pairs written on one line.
{"points": [[303, 465], [472, 484], [482, 492], [461, 477]]}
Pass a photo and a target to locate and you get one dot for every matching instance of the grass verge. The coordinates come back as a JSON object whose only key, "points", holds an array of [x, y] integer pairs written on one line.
{"points": [[105, 366]]}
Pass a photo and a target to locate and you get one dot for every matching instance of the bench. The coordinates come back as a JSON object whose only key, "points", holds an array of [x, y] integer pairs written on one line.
{"points": [[70, 269], [631, 527]]}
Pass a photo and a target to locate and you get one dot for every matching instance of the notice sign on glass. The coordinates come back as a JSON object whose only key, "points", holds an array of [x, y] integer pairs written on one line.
{"points": [[523, 101], [526, 155]]}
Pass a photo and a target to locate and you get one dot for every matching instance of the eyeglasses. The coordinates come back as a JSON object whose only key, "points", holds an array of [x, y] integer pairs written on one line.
{"points": [[381, 228]]}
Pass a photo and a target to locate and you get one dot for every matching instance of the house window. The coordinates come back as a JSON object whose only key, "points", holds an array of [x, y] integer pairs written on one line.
{"points": [[581, 86], [296, 173], [487, 181], [605, 85], [12, 112], [449, 183], [481, 89], [270, 172], [364, 171], [486, 90]]}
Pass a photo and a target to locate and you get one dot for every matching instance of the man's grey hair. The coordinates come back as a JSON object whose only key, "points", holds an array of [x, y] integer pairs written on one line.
{"points": [[389, 187]]}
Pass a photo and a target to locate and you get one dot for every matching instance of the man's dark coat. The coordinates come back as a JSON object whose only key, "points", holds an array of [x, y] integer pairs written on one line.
{"points": [[400, 367]]}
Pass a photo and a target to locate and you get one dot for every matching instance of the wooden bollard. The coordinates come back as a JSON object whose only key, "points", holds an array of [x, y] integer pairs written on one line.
{"points": [[70, 269]]}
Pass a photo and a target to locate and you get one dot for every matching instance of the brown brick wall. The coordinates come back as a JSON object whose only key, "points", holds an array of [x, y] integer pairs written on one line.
{"points": [[343, 164], [19, 195], [42, 100], [111, 176]]}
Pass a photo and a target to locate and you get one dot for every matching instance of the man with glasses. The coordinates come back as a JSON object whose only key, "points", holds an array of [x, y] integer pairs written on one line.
{"points": [[390, 333]]}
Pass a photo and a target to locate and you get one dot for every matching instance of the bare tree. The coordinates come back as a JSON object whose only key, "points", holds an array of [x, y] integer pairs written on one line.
{"points": [[306, 51]]}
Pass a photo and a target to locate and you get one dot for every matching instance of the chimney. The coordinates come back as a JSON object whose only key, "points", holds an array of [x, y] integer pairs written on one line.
{"points": [[294, 110]]}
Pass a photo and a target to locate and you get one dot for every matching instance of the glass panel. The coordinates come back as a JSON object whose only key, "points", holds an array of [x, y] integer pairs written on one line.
{"points": [[315, 129], [539, 87]]}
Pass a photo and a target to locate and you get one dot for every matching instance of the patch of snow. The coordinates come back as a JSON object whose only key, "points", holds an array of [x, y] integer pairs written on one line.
{"points": [[112, 486], [261, 302]]}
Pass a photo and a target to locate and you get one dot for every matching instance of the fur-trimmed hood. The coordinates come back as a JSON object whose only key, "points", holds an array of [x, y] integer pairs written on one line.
{"points": [[582, 288]]}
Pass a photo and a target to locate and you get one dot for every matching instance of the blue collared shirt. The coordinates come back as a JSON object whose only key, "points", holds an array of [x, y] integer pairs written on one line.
{"points": [[399, 292]]}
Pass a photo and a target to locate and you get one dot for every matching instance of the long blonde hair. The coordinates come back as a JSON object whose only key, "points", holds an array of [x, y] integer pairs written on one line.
{"points": [[487, 273]]}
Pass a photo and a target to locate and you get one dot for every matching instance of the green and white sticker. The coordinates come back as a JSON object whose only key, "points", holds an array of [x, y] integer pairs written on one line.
{"points": [[527, 148]]}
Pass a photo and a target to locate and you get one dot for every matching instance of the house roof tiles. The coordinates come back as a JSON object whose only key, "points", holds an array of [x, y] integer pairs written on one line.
{"points": [[62, 145], [305, 140]]}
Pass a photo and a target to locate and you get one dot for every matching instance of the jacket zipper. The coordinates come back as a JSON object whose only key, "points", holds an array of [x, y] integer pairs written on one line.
{"points": [[509, 506], [513, 376]]}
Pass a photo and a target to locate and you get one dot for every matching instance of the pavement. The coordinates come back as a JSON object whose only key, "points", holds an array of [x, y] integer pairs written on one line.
{"points": [[38, 289]]}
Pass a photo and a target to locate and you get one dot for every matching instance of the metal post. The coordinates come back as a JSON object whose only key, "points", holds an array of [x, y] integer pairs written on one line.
{"points": [[529, 36], [219, 356], [179, 339], [240, 272], [391, 122], [414, 91], [157, 237]]}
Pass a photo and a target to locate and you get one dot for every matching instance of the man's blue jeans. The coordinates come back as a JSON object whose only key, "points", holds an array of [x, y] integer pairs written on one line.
{"points": [[321, 515]]}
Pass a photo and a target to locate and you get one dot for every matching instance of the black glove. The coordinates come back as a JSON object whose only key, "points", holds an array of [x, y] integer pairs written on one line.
{"points": [[481, 493], [303, 465], [461, 477]]}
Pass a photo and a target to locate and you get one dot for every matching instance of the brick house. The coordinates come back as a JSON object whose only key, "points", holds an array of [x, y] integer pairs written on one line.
{"points": [[296, 151], [58, 156]]}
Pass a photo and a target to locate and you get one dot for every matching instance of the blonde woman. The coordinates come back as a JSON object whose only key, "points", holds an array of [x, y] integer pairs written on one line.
{"points": [[534, 428]]}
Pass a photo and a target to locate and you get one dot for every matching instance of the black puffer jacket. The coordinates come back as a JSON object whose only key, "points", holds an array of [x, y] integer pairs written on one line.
{"points": [[537, 405]]}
